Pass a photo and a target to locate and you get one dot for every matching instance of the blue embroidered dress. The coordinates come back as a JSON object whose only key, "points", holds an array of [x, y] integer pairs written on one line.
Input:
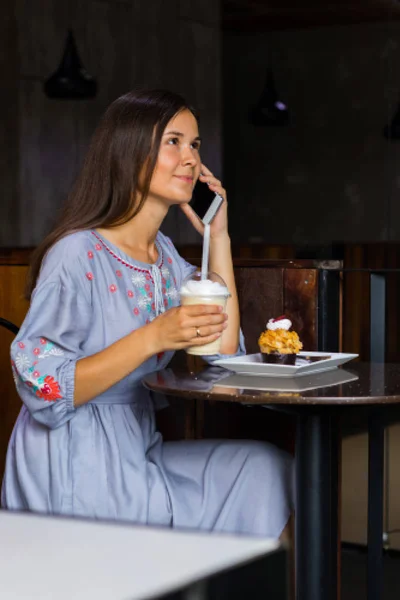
{"points": [[105, 459]]}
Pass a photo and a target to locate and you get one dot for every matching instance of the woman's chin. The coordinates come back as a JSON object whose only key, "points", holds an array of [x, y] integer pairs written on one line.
{"points": [[181, 201]]}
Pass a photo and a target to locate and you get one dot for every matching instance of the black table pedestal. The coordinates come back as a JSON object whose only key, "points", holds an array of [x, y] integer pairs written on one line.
{"points": [[316, 504]]}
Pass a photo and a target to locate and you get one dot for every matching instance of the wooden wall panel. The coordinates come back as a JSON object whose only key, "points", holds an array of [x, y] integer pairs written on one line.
{"points": [[110, 56], [123, 43], [157, 56], [12, 307], [301, 304], [200, 55], [48, 159], [155, 13], [110, 40], [260, 294], [202, 11], [9, 212], [42, 27], [10, 401]]}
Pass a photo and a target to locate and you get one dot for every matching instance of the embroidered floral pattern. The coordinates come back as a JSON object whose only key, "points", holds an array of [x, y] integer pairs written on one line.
{"points": [[90, 254], [22, 362], [171, 293], [143, 281], [138, 278], [49, 350], [142, 300], [89, 276], [102, 244], [44, 386]]}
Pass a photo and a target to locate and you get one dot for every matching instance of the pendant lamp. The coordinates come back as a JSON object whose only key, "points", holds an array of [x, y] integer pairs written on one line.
{"points": [[269, 111], [392, 131], [71, 80]]}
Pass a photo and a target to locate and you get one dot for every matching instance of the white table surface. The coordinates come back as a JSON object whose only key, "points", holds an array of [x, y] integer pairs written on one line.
{"points": [[47, 558]]}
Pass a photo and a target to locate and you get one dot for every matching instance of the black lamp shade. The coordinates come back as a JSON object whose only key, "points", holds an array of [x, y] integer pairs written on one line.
{"points": [[392, 131], [269, 111], [71, 80]]}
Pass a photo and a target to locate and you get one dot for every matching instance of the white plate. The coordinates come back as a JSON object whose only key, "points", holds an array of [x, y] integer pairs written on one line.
{"points": [[288, 384], [251, 364]]}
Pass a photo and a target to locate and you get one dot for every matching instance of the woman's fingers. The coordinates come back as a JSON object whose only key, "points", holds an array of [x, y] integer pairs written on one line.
{"points": [[195, 322], [207, 330], [189, 325], [207, 334], [207, 320], [200, 341], [196, 310], [206, 176], [205, 170]]}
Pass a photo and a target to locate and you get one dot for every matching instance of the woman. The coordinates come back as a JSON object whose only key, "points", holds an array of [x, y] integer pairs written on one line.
{"points": [[105, 312]]}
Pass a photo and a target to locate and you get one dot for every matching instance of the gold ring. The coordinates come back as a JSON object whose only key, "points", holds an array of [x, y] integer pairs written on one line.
{"points": [[198, 332]]}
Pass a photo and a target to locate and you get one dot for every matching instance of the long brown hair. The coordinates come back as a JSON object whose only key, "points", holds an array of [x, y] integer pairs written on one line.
{"points": [[123, 148]]}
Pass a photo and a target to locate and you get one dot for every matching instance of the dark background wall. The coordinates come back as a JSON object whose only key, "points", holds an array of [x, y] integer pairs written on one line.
{"points": [[123, 43], [330, 174]]}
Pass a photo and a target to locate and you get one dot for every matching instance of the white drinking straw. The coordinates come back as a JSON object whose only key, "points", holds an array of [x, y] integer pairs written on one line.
{"points": [[206, 252]]}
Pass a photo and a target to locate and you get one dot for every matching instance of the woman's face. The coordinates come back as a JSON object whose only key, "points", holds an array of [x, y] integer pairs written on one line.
{"points": [[178, 162]]}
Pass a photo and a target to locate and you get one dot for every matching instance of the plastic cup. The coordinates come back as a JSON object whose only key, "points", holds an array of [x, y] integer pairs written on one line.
{"points": [[212, 290]]}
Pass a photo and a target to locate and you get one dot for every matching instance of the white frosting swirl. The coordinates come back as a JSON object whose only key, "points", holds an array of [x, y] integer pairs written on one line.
{"points": [[204, 287], [280, 324]]}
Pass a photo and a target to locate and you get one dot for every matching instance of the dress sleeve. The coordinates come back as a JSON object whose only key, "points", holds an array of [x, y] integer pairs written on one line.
{"points": [[46, 349], [186, 268]]}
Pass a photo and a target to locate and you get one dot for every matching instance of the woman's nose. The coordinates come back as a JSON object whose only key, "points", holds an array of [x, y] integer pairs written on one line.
{"points": [[189, 156]]}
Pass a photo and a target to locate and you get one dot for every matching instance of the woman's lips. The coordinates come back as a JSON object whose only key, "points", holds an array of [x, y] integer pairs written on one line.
{"points": [[185, 178]]}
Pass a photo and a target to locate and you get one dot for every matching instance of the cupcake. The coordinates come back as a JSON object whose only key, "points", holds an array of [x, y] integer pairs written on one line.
{"points": [[278, 344]]}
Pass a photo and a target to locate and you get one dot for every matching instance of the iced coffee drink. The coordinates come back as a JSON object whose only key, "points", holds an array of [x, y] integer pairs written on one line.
{"points": [[211, 290]]}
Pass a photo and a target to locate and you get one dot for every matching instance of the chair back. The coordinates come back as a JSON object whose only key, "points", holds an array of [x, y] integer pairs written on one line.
{"points": [[8, 325]]}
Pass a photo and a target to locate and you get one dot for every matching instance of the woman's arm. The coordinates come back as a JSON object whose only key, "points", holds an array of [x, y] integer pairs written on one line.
{"points": [[95, 374], [173, 330], [221, 263], [220, 257]]}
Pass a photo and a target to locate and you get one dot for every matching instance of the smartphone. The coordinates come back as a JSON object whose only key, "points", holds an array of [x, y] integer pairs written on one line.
{"points": [[205, 203]]}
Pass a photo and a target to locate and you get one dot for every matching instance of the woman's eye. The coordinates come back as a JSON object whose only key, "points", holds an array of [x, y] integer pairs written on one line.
{"points": [[196, 145], [173, 141]]}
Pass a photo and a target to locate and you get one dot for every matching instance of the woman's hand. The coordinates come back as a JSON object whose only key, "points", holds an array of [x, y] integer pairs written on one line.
{"points": [[219, 225], [185, 326]]}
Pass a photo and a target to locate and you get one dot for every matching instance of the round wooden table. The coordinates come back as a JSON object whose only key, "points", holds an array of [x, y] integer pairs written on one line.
{"points": [[320, 401]]}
